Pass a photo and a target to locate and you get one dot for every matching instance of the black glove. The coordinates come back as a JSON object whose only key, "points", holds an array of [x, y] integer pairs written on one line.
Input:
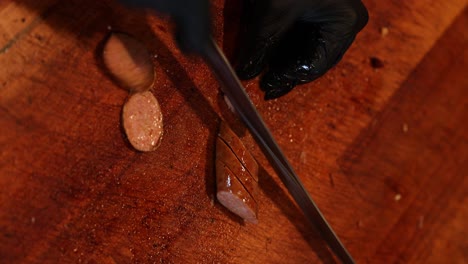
{"points": [[192, 19], [298, 39]]}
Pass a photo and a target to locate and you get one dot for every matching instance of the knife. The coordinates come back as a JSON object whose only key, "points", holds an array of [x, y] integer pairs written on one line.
{"points": [[234, 91]]}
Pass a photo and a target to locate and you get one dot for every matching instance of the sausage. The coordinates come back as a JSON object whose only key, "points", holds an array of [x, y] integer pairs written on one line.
{"points": [[238, 148], [143, 121], [237, 184], [129, 62], [232, 195], [225, 155]]}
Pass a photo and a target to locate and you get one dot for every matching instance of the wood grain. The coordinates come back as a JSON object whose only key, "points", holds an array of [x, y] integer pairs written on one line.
{"points": [[73, 190], [409, 165]]}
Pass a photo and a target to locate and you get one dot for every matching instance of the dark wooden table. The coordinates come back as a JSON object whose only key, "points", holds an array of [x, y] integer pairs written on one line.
{"points": [[383, 151]]}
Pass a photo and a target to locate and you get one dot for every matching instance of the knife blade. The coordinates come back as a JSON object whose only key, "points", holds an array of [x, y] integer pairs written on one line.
{"points": [[234, 91]]}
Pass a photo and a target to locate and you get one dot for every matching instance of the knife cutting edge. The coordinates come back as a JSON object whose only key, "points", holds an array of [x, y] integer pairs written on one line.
{"points": [[234, 91]]}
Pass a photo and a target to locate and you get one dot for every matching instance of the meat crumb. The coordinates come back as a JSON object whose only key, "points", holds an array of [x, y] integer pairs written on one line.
{"points": [[384, 31], [359, 224], [397, 197], [405, 127], [421, 222], [229, 105]]}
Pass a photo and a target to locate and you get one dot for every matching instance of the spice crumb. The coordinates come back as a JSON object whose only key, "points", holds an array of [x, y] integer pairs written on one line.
{"points": [[376, 63], [332, 182]]}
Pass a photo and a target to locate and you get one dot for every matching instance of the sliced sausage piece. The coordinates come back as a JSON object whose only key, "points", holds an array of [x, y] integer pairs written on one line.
{"points": [[142, 121], [225, 155], [232, 195], [129, 62], [238, 148]]}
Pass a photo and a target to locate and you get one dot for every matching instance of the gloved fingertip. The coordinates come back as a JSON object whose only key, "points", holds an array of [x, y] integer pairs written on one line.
{"points": [[274, 94], [276, 85], [248, 70], [253, 65]]}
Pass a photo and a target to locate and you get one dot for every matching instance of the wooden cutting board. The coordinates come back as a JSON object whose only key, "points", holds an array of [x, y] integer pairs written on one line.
{"points": [[383, 151]]}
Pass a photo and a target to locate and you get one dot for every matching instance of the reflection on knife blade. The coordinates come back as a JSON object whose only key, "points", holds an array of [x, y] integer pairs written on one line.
{"points": [[233, 90]]}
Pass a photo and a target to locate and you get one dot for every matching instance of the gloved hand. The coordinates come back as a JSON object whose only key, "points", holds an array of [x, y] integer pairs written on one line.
{"points": [[192, 19], [299, 40]]}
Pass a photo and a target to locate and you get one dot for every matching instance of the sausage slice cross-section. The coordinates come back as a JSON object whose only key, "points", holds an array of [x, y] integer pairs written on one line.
{"points": [[129, 62], [142, 121], [232, 194], [236, 175]]}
